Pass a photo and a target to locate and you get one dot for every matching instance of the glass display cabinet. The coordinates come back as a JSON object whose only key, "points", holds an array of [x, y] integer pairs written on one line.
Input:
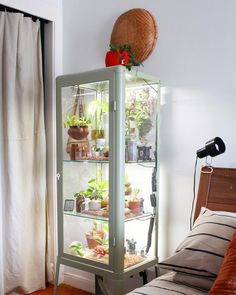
{"points": [[107, 127]]}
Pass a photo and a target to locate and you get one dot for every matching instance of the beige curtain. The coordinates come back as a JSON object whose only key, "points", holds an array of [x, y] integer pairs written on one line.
{"points": [[23, 157]]}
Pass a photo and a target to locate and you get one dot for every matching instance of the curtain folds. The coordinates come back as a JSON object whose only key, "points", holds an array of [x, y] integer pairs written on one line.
{"points": [[23, 157]]}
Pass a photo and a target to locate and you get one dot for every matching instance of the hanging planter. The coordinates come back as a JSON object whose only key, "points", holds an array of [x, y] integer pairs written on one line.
{"points": [[78, 126], [78, 132]]}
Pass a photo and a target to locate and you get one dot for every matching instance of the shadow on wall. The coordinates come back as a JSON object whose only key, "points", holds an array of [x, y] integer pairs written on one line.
{"points": [[165, 143]]}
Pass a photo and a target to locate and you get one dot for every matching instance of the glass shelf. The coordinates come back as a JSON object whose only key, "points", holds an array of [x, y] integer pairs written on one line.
{"points": [[143, 216], [82, 215], [145, 164], [140, 163], [86, 161]]}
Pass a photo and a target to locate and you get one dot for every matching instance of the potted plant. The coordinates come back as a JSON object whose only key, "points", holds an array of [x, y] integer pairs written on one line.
{"points": [[96, 236], [138, 113], [135, 204], [121, 55], [96, 150], [77, 248], [128, 188], [80, 201], [97, 192], [97, 109], [78, 126]]}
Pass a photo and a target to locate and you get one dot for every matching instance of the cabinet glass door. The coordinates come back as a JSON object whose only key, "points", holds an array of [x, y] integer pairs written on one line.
{"points": [[140, 170], [85, 170]]}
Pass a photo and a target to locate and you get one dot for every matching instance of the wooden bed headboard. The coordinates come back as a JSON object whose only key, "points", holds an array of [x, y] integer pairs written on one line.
{"points": [[217, 190]]}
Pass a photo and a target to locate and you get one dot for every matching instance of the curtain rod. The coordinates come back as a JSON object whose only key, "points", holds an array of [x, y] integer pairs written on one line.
{"points": [[34, 18]]}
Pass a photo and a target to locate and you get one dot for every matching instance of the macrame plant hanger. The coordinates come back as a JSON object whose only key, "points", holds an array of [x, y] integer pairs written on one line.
{"points": [[79, 104]]}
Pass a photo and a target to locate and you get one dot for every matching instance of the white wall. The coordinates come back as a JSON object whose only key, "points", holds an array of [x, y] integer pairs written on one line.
{"points": [[195, 60]]}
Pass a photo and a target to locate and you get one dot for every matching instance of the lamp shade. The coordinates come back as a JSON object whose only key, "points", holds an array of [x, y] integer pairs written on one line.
{"points": [[213, 147]]}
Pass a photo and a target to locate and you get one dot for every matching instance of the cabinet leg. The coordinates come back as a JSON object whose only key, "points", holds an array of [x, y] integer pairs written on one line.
{"points": [[143, 274], [157, 271], [56, 277], [118, 287], [99, 286]]}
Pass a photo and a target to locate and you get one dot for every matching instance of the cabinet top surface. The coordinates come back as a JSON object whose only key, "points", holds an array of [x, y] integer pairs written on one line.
{"points": [[133, 76]]}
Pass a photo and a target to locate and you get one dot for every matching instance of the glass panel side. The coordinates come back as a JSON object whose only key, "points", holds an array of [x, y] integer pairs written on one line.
{"points": [[85, 165], [140, 172]]}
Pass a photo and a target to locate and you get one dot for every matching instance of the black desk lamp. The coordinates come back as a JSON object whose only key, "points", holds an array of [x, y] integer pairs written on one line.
{"points": [[212, 148]]}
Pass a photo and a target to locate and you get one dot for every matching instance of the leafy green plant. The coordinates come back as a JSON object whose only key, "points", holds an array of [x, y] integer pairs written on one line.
{"points": [[76, 120], [97, 109], [77, 248], [139, 111], [97, 188]]}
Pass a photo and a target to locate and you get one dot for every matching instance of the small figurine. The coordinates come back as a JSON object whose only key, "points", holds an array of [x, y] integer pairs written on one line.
{"points": [[131, 246]]}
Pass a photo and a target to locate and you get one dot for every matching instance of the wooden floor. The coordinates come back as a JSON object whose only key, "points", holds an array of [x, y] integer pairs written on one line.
{"points": [[61, 290]]}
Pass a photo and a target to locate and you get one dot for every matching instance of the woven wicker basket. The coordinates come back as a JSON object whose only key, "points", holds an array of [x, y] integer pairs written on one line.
{"points": [[138, 28]]}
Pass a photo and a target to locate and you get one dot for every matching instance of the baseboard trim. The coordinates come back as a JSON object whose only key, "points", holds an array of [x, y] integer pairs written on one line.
{"points": [[79, 282]]}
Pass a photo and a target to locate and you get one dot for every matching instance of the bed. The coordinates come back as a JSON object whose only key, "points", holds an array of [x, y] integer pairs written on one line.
{"points": [[205, 262]]}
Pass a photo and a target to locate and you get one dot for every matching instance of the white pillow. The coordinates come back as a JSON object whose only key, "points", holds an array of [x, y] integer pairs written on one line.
{"points": [[202, 251]]}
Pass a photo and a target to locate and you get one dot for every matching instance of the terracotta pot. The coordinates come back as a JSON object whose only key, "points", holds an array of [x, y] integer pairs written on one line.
{"points": [[74, 152], [92, 243], [135, 206], [78, 132], [104, 203]]}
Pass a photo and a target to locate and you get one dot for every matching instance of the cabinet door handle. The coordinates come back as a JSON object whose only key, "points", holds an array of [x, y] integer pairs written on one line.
{"points": [[58, 176]]}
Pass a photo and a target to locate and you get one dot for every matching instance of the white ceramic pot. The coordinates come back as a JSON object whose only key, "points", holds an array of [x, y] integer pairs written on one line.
{"points": [[94, 205]]}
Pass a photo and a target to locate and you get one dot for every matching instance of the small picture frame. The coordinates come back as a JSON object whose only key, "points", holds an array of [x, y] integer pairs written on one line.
{"points": [[69, 205]]}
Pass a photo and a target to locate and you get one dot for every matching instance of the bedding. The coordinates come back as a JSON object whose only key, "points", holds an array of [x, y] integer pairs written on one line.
{"points": [[165, 285], [198, 259], [203, 250], [193, 281]]}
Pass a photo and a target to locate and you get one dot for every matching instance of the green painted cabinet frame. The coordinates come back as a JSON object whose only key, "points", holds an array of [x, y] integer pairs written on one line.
{"points": [[114, 270]]}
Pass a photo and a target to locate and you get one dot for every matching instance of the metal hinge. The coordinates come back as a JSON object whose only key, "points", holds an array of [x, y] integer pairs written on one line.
{"points": [[114, 242], [113, 106]]}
